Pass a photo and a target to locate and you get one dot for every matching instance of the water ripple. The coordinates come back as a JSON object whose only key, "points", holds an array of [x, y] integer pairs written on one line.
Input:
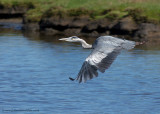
{"points": [[34, 75]]}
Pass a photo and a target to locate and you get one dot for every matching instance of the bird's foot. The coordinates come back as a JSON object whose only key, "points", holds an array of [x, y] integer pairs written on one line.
{"points": [[71, 79], [140, 43]]}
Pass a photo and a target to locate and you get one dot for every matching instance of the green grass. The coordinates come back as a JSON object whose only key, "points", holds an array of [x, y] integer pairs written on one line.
{"points": [[140, 10]]}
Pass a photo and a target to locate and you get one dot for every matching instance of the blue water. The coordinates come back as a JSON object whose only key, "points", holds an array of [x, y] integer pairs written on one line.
{"points": [[34, 79]]}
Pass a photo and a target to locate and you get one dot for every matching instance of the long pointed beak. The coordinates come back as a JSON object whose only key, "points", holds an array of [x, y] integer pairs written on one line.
{"points": [[65, 39]]}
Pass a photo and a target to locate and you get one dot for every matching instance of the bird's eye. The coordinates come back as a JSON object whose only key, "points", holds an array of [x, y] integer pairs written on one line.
{"points": [[74, 37]]}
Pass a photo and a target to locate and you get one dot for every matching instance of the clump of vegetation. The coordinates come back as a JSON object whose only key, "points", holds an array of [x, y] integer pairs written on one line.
{"points": [[55, 11], [62, 12], [79, 12], [140, 10], [116, 14], [14, 3], [137, 14], [34, 15]]}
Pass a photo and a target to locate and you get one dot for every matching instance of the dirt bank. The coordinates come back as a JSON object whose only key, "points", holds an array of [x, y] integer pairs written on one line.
{"points": [[83, 26], [126, 27], [12, 12]]}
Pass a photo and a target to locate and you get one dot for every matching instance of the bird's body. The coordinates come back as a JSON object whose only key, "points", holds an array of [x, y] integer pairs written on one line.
{"points": [[105, 50]]}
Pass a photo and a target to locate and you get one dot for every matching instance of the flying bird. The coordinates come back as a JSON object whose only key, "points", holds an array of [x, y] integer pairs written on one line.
{"points": [[105, 50]]}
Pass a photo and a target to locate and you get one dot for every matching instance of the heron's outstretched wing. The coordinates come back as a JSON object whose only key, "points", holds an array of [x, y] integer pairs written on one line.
{"points": [[105, 51]]}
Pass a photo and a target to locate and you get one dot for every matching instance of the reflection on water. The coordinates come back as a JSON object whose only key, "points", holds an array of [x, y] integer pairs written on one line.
{"points": [[34, 77], [90, 40]]}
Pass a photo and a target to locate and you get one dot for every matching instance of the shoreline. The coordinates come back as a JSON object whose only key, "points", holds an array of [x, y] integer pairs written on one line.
{"points": [[83, 25], [12, 20], [125, 28]]}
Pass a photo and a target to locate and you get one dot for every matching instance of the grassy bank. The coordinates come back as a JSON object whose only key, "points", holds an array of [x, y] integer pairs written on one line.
{"points": [[140, 10]]}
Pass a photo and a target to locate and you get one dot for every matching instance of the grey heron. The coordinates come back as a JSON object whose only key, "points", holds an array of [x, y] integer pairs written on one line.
{"points": [[105, 50]]}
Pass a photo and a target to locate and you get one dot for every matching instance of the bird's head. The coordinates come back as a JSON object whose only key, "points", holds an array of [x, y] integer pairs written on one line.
{"points": [[71, 39]]}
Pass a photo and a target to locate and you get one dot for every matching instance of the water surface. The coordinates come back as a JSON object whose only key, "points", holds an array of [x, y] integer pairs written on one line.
{"points": [[34, 78]]}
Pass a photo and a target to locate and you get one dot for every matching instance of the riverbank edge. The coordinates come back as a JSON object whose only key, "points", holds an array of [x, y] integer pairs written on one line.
{"points": [[125, 27]]}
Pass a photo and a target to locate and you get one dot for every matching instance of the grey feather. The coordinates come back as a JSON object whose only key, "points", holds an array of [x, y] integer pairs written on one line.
{"points": [[87, 72], [105, 50]]}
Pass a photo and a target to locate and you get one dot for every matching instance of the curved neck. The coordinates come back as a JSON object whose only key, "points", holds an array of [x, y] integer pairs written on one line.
{"points": [[85, 44]]}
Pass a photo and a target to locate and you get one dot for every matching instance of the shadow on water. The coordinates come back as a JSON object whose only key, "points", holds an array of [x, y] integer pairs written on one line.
{"points": [[6, 27], [54, 39], [50, 38]]}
